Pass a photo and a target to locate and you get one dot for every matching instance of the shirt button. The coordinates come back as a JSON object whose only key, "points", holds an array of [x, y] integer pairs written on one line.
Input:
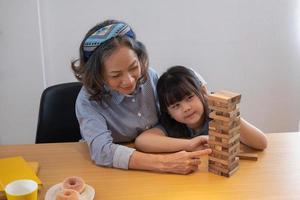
{"points": [[133, 100], [139, 114], [147, 127]]}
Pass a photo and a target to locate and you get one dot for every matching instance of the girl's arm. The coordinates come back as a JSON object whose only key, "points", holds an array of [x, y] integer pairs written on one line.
{"points": [[252, 136], [155, 141]]}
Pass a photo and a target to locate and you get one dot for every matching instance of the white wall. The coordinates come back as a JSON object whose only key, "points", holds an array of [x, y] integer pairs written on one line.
{"points": [[249, 46], [21, 81]]}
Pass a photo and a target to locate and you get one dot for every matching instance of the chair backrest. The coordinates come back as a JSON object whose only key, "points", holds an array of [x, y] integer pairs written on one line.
{"points": [[57, 120]]}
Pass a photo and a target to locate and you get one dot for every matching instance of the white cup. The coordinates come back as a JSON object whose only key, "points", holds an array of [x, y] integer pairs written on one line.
{"points": [[24, 189]]}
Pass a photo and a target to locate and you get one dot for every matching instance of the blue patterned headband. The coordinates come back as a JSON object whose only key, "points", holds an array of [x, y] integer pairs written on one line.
{"points": [[103, 34]]}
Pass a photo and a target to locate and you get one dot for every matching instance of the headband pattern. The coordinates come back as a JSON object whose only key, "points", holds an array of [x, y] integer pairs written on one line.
{"points": [[104, 34]]}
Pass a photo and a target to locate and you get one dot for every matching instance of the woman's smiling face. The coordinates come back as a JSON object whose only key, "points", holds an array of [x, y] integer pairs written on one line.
{"points": [[122, 70]]}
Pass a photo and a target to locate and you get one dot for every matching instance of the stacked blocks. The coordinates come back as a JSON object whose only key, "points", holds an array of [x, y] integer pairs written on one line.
{"points": [[224, 132]]}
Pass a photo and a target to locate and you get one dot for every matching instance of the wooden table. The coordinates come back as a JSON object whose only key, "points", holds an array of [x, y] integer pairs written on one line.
{"points": [[276, 174]]}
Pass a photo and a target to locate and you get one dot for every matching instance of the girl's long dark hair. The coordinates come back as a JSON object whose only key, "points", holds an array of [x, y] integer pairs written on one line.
{"points": [[174, 85]]}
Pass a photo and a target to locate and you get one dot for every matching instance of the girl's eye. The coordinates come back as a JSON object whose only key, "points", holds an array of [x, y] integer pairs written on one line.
{"points": [[175, 106], [189, 98]]}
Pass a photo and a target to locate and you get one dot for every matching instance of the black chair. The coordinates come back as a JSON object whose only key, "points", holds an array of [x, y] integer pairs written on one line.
{"points": [[57, 120]]}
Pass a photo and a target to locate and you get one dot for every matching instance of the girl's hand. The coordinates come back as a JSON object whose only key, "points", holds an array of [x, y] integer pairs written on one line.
{"points": [[197, 143], [183, 162]]}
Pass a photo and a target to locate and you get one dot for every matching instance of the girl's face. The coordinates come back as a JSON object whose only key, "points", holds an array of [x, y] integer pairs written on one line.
{"points": [[122, 70], [189, 111]]}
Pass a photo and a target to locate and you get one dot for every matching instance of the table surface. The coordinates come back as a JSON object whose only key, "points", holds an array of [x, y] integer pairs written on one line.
{"points": [[276, 174]]}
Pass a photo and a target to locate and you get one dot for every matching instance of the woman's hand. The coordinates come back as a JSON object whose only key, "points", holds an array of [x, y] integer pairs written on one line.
{"points": [[197, 143], [183, 162]]}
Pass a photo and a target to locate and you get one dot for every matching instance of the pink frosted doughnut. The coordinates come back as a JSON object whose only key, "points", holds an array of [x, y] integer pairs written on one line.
{"points": [[67, 194], [74, 183]]}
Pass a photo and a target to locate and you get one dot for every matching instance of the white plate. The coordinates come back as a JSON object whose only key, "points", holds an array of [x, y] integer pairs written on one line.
{"points": [[87, 194]]}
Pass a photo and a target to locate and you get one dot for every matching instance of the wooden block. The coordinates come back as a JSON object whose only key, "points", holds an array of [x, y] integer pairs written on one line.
{"points": [[212, 142], [218, 139], [214, 115], [228, 157], [219, 169], [234, 139], [230, 173], [233, 130], [214, 171], [230, 114], [234, 164], [218, 134], [211, 137], [222, 170], [217, 124], [225, 96], [218, 147], [227, 162], [213, 128], [221, 107], [235, 149], [225, 153], [224, 162], [248, 156], [224, 140], [231, 142]]}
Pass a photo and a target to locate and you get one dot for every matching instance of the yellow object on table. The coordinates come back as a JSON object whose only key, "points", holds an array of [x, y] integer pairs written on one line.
{"points": [[14, 168]]}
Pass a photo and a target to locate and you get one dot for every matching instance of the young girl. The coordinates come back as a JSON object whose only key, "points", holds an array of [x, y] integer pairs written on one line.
{"points": [[184, 110], [118, 101], [184, 113]]}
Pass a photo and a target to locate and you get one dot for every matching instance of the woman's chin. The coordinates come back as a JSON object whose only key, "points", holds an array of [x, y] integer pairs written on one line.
{"points": [[127, 91]]}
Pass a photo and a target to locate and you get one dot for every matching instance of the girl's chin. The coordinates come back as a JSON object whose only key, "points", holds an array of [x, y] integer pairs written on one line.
{"points": [[192, 123]]}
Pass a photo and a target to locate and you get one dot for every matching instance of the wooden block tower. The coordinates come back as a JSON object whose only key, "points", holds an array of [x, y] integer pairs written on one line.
{"points": [[224, 132]]}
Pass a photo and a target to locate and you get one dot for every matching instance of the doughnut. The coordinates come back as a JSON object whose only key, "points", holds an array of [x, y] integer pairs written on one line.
{"points": [[74, 183], [67, 194]]}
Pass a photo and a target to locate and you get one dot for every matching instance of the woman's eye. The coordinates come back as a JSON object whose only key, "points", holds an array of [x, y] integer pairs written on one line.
{"points": [[116, 76], [133, 68]]}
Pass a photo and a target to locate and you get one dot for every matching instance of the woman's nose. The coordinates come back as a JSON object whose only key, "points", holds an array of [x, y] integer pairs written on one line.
{"points": [[127, 79]]}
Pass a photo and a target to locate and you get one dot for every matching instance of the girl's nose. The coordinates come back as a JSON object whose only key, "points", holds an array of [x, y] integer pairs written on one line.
{"points": [[186, 107]]}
